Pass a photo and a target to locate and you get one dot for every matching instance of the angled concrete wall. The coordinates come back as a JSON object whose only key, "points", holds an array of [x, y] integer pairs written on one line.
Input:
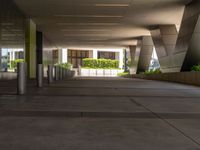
{"points": [[164, 38], [135, 55], [192, 78], [189, 36], [179, 52], [145, 54]]}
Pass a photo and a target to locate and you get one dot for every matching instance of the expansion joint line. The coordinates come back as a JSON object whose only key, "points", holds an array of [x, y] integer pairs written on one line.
{"points": [[164, 120]]}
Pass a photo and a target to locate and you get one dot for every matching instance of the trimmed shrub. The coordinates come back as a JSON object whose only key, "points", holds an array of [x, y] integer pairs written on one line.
{"points": [[196, 68], [14, 63], [100, 63], [123, 74], [65, 65], [157, 71]]}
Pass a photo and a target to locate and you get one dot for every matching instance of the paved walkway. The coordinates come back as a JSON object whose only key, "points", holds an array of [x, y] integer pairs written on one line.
{"points": [[100, 114]]}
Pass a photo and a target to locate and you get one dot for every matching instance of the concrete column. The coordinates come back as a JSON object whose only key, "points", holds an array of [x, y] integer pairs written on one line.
{"points": [[79, 70], [117, 55], [121, 57], [145, 54], [188, 43], [179, 52], [13, 55], [135, 54], [21, 78], [39, 58], [40, 75], [0, 55], [63, 73], [56, 73], [60, 73], [126, 60], [30, 48], [164, 38], [95, 54], [50, 73], [0, 41], [64, 55], [39, 47]]}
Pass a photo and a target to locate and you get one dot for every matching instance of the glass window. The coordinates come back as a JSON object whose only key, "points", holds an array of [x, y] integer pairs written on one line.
{"points": [[77, 57], [106, 55], [79, 54]]}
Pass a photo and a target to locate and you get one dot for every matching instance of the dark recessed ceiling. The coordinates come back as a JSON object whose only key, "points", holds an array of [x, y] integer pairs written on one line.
{"points": [[100, 23]]}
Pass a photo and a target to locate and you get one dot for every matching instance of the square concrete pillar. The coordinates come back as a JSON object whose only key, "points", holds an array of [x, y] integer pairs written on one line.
{"points": [[30, 48]]}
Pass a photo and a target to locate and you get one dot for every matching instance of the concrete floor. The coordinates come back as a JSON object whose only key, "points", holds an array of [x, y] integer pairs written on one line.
{"points": [[100, 114]]}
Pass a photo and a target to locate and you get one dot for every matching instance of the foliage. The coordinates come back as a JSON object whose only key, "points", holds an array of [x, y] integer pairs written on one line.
{"points": [[100, 63], [65, 65], [129, 63], [156, 71], [14, 63], [123, 74], [196, 68]]}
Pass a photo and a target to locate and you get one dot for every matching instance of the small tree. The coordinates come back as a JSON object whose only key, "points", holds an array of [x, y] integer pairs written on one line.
{"points": [[14, 63], [196, 68]]}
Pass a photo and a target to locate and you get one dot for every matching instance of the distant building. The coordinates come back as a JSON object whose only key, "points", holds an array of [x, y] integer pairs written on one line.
{"points": [[76, 56]]}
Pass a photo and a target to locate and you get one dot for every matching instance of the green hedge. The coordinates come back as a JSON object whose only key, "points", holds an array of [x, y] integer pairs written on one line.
{"points": [[123, 74], [196, 68], [100, 63], [157, 71]]}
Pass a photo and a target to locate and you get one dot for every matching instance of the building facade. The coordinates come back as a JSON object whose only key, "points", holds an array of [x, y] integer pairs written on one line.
{"points": [[76, 56]]}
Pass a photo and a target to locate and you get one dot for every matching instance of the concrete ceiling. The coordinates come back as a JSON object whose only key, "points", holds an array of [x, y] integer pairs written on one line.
{"points": [[100, 23]]}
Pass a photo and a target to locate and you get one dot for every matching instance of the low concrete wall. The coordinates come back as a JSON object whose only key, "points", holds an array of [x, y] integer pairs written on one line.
{"points": [[8, 75], [100, 72], [192, 78]]}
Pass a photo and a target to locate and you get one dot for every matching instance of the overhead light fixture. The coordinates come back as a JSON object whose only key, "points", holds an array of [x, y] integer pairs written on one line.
{"points": [[97, 39], [90, 24], [111, 5], [90, 16], [16, 30], [78, 35], [89, 39], [85, 30]]}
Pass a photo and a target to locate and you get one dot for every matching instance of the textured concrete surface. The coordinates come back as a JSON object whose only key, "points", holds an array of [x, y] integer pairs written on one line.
{"points": [[100, 114], [190, 78]]}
